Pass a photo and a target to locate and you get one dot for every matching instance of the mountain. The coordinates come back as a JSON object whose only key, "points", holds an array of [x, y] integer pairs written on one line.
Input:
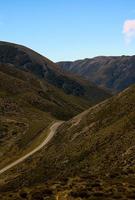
{"points": [[33, 94], [90, 157], [28, 60], [114, 73]]}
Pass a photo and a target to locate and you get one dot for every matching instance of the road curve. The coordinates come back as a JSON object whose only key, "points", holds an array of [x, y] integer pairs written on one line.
{"points": [[53, 129]]}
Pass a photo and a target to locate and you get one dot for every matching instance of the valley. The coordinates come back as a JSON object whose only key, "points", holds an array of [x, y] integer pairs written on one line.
{"points": [[67, 100], [62, 137]]}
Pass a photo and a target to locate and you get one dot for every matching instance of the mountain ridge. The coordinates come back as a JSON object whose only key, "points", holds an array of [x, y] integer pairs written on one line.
{"points": [[114, 73], [29, 60]]}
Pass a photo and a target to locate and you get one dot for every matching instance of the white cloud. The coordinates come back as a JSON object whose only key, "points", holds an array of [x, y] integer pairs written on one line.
{"points": [[129, 30]]}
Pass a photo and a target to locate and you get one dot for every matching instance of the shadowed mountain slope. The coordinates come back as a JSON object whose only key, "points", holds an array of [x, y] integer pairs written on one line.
{"points": [[114, 73], [30, 61]]}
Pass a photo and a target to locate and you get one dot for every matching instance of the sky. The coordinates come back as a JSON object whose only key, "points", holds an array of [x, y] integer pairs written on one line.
{"points": [[70, 29]]}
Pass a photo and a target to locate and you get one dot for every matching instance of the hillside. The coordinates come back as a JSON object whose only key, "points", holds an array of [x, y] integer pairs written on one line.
{"points": [[33, 93], [91, 156], [26, 109], [28, 60], [113, 73]]}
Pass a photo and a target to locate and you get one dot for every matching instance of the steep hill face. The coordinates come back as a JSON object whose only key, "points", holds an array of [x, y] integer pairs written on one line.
{"points": [[28, 60], [113, 73], [100, 139], [93, 151], [25, 112]]}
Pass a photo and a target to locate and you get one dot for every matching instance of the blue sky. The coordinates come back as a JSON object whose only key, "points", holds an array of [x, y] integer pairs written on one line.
{"points": [[70, 29]]}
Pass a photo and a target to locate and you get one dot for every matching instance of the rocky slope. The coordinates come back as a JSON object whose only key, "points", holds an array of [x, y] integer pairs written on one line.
{"points": [[113, 73]]}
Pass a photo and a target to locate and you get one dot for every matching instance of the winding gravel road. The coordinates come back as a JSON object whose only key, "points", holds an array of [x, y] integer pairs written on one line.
{"points": [[53, 129]]}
